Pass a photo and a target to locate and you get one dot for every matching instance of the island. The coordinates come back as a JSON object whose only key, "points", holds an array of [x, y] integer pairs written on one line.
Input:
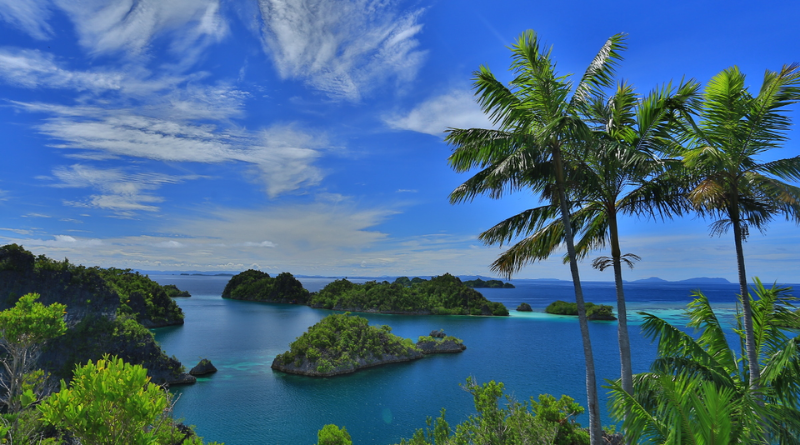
{"points": [[108, 311], [440, 343], [593, 311], [255, 285], [524, 307], [441, 295], [343, 344], [173, 291], [491, 284]]}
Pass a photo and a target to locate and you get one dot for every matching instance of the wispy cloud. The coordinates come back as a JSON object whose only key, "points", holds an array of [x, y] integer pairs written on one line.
{"points": [[65, 241], [456, 109], [120, 192], [342, 48], [29, 16], [132, 25]]}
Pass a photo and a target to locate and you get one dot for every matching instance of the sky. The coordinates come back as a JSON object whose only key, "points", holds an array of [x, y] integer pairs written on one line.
{"points": [[307, 136]]}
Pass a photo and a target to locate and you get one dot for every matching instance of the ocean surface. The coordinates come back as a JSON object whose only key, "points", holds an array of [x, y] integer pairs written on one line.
{"points": [[531, 353]]}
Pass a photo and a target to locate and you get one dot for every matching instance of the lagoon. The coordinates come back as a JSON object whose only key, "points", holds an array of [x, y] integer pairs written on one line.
{"points": [[531, 353]]}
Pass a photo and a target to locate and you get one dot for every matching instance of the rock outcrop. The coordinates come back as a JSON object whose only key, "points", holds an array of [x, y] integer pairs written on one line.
{"points": [[524, 307], [446, 345], [203, 368], [310, 368]]}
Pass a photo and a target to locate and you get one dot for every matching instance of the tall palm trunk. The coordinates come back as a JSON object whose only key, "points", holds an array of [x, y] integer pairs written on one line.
{"points": [[747, 312], [595, 430], [622, 329]]}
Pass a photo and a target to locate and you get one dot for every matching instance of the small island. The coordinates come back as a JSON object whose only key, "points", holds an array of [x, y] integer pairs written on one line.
{"points": [[524, 307], [593, 311], [173, 291], [254, 285], [490, 284], [440, 343], [441, 295], [343, 344]]}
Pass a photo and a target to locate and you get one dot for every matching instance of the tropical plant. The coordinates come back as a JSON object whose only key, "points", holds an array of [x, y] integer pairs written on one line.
{"points": [[23, 331], [698, 389], [332, 435], [621, 173], [732, 184], [538, 119]]}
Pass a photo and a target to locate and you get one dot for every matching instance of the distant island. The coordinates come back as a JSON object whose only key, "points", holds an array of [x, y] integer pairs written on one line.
{"points": [[593, 311], [491, 284], [442, 295], [697, 280], [344, 343]]}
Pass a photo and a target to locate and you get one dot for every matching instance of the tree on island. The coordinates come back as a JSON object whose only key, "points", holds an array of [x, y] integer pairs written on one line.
{"points": [[732, 184], [541, 131]]}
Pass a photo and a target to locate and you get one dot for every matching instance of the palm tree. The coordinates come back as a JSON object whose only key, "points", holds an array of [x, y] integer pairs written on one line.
{"points": [[619, 174], [698, 389], [735, 187], [538, 119]]}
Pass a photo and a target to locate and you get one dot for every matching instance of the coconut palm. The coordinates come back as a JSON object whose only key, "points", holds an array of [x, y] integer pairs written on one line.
{"points": [[619, 174], [538, 120], [698, 389], [733, 185]]}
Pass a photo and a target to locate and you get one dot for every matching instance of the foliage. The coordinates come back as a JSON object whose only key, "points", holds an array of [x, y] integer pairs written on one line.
{"points": [[559, 307], [491, 284], [340, 341], [141, 296], [23, 331], [255, 285], [173, 291], [332, 435], [441, 295], [546, 421], [113, 402], [698, 389]]}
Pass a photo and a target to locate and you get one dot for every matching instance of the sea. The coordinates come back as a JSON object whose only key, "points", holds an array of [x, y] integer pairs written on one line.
{"points": [[531, 353]]}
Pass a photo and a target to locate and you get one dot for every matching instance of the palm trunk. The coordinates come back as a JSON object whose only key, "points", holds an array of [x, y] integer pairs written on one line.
{"points": [[622, 329], [595, 430], [747, 312]]}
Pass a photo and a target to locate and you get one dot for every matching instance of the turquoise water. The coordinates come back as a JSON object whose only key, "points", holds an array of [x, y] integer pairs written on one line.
{"points": [[531, 353]]}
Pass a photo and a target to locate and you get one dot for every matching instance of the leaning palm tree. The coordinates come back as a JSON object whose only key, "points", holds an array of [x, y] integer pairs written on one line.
{"points": [[733, 185], [538, 120], [619, 174], [698, 389]]}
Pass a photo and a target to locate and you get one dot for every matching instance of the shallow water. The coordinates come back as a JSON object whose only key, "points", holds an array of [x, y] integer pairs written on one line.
{"points": [[531, 353]]}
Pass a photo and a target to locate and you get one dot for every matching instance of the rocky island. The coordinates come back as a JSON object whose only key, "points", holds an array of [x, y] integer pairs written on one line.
{"points": [[593, 311], [254, 285], [491, 284], [440, 343], [343, 344], [441, 295], [108, 312]]}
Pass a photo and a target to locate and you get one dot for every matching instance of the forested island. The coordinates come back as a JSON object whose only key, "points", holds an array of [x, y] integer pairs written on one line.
{"points": [[593, 311], [490, 284], [108, 311], [344, 343], [442, 295]]}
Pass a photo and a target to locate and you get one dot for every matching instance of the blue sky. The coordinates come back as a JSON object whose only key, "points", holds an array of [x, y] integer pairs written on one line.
{"points": [[307, 136]]}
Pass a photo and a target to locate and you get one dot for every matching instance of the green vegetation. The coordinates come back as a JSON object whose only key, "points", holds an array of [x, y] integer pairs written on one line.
{"points": [[111, 402], [332, 435], [342, 343], [491, 284], [524, 307], [442, 295], [593, 311], [142, 297], [173, 291], [23, 330], [546, 421], [254, 285], [698, 389]]}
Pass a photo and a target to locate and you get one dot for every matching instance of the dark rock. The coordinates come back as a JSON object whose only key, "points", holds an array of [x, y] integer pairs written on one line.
{"points": [[203, 368], [309, 368], [182, 379], [601, 317], [438, 334], [524, 307]]}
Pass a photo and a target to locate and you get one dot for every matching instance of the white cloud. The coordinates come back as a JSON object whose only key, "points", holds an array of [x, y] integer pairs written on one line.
{"points": [[17, 231], [456, 109], [261, 244], [131, 25], [342, 48], [65, 241], [29, 15], [34, 69], [120, 192], [172, 244]]}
